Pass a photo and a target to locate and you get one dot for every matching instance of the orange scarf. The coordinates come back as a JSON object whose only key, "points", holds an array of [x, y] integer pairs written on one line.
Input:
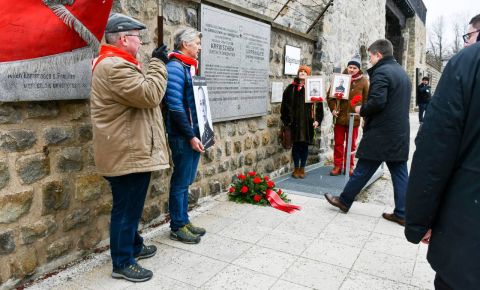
{"points": [[111, 51], [186, 60]]}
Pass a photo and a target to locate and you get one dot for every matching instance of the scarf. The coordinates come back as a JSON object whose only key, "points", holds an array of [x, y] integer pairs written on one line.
{"points": [[356, 77], [298, 85], [111, 51], [193, 63]]}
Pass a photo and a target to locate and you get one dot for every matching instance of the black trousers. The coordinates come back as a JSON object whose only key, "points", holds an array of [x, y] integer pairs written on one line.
{"points": [[440, 284]]}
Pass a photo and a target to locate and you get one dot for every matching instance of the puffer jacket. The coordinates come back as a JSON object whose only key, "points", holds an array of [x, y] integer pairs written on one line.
{"points": [[357, 87], [128, 130], [181, 114]]}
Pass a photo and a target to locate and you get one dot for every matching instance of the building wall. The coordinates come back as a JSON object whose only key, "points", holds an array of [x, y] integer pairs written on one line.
{"points": [[417, 37], [53, 206]]}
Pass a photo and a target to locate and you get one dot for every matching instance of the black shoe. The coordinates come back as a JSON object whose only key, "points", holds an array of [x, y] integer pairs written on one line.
{"points": [[335, 201], [146, 252], [393, 218], [196, 230], [185, 236], [133, 273]]}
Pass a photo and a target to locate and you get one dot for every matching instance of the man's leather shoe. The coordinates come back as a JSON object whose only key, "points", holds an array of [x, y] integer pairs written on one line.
{"points": [[393, 218], [335, 201]]}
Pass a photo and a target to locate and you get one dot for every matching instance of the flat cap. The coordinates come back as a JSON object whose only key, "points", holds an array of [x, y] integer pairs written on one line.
{"points": [[118, 22]]}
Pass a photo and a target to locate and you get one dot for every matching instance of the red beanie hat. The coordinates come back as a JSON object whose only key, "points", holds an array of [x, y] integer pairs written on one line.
{"points": [[305, 68]]}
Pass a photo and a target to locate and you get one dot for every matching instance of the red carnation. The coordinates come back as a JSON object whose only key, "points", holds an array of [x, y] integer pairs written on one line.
{"points": [[244, 189], [257, 198], [338, 95], [252, 173], [270, 184], [241, 176], [231, 189], [356, 101], [257, 180], [266, 178], [279, 192]]}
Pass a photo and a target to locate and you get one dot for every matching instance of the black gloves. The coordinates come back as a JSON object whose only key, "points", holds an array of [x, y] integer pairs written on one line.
{"points": [[161, 53]]}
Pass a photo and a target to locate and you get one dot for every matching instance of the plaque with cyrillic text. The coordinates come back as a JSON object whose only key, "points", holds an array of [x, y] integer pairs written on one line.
{"points": [[235, 63]]}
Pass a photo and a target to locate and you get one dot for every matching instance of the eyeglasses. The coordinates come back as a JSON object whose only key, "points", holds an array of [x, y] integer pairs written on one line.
{"points": [[137, 35], [466, 37]]}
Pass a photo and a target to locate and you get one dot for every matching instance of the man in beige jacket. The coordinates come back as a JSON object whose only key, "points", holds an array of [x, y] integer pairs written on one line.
{"points": [[128, 136]]}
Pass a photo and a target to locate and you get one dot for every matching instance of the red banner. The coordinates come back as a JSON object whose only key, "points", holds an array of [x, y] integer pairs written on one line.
{"points": [[278, 203]]}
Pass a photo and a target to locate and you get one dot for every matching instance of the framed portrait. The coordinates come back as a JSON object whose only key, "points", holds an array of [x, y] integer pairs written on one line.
{"points": [[203, 111], [314, 89], [340, 85]]}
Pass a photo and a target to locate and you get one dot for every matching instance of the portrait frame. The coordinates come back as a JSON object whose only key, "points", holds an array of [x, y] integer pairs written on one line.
{"points": [[340, 84], [204, 117], [314, 88]]}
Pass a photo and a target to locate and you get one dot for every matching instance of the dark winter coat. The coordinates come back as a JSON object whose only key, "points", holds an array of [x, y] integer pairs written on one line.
{"points": [[423, 94], [386, 134], [357, 87], [444, 187], [300, 115]]}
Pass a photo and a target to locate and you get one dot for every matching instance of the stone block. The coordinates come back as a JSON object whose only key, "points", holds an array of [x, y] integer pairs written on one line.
{"points": [[266, 137], [58, 135], [228, 148], [248, 144], [252, 126], [256, 141], [273, 121], [89, 187], [104, 208], [209, 171], [215, 187], [55, 196], [17, 140], [42, 110], [193, 196], [89, 239], [250, 158], [13, 206], [27, 261], [223, 166], [70, 160], [41, 229], [237, 146], [191, 16], [7, 242], [4, 174], [233, 164], [59, 248], [77, 110], [276, 109], [10, 113], [209, 155], [271, 150], [240, 160], [157, 189], [88, 159], [242, 128], [173, 14], [77, 218], [261, 154], [150, 213], [85, 133]]}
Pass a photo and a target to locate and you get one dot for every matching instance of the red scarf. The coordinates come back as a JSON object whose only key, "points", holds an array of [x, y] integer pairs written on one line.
{"points": [[298, 85], [110, 51], [356, 77], [186, 60]]}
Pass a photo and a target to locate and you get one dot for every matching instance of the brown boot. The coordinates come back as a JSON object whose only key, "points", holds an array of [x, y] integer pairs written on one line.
{"points": [[301, 172], [295, 172], [335, 171]]}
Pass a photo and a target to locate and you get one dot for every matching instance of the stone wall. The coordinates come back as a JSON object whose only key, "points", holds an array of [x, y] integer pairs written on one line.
{"points": [[417, 37], [53, 206]]}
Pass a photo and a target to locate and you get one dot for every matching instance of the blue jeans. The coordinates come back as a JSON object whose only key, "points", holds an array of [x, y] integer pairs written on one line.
{"points": [[421, 111], [128, 193], [300, 154], [365, 170], [185, 162]]}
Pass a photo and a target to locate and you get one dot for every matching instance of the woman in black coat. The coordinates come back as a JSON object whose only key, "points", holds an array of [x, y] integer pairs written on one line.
{"points": [[443, 196], [303, 118]]}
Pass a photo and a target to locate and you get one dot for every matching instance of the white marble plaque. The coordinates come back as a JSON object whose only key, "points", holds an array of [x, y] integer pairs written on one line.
{"points": [[277, 92], [235, 62], [292, 59]]}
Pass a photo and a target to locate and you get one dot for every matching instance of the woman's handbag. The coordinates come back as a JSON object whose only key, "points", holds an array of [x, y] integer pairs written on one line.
{"points": [[286, 136]]}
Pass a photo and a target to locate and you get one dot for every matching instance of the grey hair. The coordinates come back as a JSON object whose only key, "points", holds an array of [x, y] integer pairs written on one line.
{"points": [[186, 34], [112, 38]]}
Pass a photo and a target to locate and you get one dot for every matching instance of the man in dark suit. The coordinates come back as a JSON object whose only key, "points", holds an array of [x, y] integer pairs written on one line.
{"points": [[443, 196], [423, 97], [386, 134]]}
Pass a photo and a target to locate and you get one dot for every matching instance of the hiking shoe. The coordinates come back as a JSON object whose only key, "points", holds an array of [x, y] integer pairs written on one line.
{"points": [[185, 236], [146, 252], [133, 273], [195, 230]]}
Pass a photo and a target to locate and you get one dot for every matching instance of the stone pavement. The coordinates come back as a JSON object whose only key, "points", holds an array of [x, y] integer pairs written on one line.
{"points": [[253, 247]]}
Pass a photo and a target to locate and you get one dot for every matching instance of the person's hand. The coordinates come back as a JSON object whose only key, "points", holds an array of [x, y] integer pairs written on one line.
{"points": [[357, 109], [315, 125], [335, 113], [426, 237], [197, 144], [161, 53]]}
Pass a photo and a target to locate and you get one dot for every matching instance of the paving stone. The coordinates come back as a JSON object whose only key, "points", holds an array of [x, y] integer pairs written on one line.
{"points": [[13, 206], [357, 280], [390, 245], [332, 253], [234, 277], [315, 274], [265, 261]]}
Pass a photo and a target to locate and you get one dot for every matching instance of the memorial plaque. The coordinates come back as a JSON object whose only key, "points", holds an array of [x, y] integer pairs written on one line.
{"points": [[235, 63], [292, 59], [277, 92]]}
